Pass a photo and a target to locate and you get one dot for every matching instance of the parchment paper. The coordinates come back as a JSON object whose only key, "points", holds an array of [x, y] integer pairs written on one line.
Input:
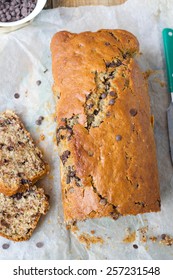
{"points": [[24, 57]]}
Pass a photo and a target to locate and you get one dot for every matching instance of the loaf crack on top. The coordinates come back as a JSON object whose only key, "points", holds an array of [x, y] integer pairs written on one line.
{"points": [[105, 138]]}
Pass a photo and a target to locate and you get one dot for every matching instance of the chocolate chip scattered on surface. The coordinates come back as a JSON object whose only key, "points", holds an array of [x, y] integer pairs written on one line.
{"points": [[38, 83], [40, 120], [39, 244], [16, 95], [5, 246]]}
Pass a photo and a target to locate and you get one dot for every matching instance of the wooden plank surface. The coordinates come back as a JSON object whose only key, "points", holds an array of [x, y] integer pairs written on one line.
{"points": [[75, 3]]}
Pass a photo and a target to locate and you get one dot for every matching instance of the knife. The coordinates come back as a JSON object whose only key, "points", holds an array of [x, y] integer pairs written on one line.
{"points": [[167, 34]]}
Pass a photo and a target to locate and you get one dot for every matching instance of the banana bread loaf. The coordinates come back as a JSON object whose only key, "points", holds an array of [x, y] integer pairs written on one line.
{"points": [[19, 214], [21, 162], [105, 137]]}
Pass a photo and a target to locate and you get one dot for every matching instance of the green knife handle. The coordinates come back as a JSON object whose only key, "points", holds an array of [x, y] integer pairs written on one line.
{"points": [[167, 34]]}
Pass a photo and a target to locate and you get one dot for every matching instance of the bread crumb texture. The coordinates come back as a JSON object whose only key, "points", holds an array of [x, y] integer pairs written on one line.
{"points": [[21, 162], [104, 135], [19, 214]]}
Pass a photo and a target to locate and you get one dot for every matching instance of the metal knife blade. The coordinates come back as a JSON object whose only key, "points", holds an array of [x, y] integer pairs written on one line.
{"points": [[168, 48]]}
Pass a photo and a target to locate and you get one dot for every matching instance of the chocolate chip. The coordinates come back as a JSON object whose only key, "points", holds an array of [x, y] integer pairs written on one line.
{"points": [[163, 236], [18, 196], [65, 156], [135, 246], [103, 201], [133, 112], [63, 132], [96, 112], [125, 55], [112, 93], [71, 190], [107, 44], [5, 246], [10, 148], [71, 173], [78, 181], [90, 119], [40, 120], [24, 181], [24, 11], [13, 10], [114, 63], [118, 63], [39, 244], [108, 114], [1, 146], [4, 223], [114, 215], [118, 137], [89, 106], [68, 179], [112, 101], [38, 83], [16, 95], [103, 95], [21, 143]]}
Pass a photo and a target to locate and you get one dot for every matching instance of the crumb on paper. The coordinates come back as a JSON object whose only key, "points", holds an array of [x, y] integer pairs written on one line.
{"points": [[166, 240], [42, 137], [152, 121], [130, 236], [162, 83], [146, 247], [153, 239], [51, 117], [72, 227], [143, 231], [87, 239], [93, 231], [148, 73]]}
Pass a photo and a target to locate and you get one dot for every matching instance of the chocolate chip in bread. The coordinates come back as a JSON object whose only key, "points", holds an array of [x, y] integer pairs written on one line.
{"points": [[21, 162], [20, 213], [105, 137]]}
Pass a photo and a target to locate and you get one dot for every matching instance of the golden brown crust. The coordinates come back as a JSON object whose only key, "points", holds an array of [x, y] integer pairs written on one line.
{"points": [[105, 138]]}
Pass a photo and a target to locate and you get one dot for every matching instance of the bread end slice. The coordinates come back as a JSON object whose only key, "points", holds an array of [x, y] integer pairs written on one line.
{"points": [[20, 213]]}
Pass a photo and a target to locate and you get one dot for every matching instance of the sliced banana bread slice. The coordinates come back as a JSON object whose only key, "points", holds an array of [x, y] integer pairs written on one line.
{"points": [[19, 214], [21, 162]]}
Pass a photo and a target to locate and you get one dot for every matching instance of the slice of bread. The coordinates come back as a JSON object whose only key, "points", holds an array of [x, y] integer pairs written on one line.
{"points": [[21, 162], [19, 214]]}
